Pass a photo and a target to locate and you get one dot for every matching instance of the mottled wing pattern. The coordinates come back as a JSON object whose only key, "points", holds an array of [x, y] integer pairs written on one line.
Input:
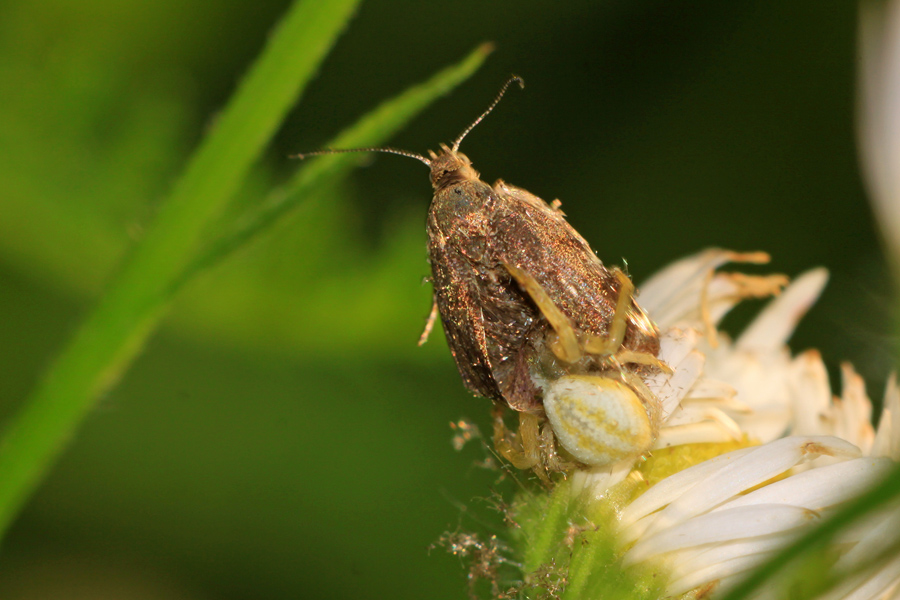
{"points": [[454, 282], [536, 238]]}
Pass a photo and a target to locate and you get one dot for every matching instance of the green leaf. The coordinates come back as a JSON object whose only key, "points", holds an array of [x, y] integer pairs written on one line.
{"points": [[373, 129], [115, 331]]}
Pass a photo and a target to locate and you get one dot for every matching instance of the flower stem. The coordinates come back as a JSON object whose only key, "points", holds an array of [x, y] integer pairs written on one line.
{"points": [[544, 542]]}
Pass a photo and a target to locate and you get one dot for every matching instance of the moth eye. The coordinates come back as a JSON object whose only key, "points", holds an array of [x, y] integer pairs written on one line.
{"points": [[598, 420]]}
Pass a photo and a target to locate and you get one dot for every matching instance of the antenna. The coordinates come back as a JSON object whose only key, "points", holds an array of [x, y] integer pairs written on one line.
{"points": [[496, 101], [418, 157]]}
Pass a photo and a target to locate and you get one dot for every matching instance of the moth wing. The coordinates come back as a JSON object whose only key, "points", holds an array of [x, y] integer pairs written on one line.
{"points": [[537, 239], [462, 318]]}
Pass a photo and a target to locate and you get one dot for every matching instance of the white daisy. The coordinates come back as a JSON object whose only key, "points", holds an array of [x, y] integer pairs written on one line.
{"points": [[752, 447], [702, 523]]}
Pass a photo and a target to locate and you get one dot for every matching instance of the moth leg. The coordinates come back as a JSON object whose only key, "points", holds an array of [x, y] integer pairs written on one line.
{"points": [[565, 346], [429, 324]]}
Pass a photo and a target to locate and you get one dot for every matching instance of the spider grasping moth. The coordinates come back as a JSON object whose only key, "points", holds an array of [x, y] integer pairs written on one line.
{"points": [[535, 321]]}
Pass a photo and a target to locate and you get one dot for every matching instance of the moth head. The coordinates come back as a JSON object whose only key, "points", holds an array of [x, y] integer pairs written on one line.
{"points": [[450, 167]]}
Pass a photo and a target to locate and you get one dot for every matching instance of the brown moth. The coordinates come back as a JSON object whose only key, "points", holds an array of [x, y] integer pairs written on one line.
{"points": [[535, 321]]}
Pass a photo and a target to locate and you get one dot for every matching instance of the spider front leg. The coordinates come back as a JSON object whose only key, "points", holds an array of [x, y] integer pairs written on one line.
{"points": [[612, 341], [566, 346], [611, 344]]}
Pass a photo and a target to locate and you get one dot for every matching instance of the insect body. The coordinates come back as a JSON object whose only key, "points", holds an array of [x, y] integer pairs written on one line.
{"points": [[522, 296], [535, 321], [526, 306]]}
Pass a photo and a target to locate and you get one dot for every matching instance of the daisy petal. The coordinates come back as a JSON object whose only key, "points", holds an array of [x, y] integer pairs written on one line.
{"points": [[673, 292], [818, 488], [775, 324], [874, 584], [811, 394], [671, 389], [736, 523], [674, 486], [720, 566], [887, 439], [685, 562], [747, 471], [695, 433]]}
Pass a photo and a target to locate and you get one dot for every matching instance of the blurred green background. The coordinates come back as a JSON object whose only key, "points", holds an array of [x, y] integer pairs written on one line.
{"points": [[282, 436]]}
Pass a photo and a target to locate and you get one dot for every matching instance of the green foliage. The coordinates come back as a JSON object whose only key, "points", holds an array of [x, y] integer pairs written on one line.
{"points": [[281, 422], [326, 258], [570, 551], [157, 266]]}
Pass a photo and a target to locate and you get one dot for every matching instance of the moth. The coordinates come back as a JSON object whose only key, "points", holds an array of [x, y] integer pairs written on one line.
{"points": [[535, 321]]}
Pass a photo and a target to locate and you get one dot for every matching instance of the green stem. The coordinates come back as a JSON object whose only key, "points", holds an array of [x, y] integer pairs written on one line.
{"points": [[373, 129], [551, 526], [115, 331], [581, 568]]}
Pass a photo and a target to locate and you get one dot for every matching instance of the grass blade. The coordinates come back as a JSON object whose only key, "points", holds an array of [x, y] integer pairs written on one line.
{"points": [[373, 129], [114, 332]]}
